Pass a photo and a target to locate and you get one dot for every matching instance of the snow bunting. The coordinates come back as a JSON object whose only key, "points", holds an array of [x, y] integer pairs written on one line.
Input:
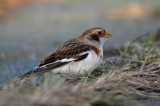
{"points": [[77, 56]]}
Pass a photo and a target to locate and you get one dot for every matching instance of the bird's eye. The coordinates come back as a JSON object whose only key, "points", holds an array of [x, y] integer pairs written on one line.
{"points": [[99, 33]]}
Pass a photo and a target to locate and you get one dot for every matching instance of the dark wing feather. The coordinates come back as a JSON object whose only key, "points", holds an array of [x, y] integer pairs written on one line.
{"points": [[41, 70], [51, 66], [70, 49]]}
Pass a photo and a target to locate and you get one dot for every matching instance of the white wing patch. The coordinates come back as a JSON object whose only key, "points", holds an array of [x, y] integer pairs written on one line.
{"points": [[65, 60], [69, 60]]}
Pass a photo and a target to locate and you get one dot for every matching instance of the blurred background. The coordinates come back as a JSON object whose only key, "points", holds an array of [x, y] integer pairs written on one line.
{"points": [[29, 30]]}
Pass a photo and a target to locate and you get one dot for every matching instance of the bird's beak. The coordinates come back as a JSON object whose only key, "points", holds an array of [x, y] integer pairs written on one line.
{"points": [[107, 35]]}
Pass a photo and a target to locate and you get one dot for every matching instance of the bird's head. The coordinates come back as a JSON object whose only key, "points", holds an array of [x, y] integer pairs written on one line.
{"points": [[95, 36]]}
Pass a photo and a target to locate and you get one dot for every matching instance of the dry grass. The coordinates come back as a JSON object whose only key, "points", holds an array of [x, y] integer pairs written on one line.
{"points": [[120, 80]]}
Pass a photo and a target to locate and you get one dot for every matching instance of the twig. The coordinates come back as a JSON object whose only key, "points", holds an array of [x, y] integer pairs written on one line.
{"points": [[138, 38], [146, 60], [143, 64]]}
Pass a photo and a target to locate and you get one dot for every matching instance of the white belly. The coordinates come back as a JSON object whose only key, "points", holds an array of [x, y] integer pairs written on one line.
{"points": [[80, 67]]}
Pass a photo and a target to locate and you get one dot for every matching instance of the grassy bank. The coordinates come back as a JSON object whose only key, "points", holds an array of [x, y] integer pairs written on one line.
{"points": [[130, 76]]}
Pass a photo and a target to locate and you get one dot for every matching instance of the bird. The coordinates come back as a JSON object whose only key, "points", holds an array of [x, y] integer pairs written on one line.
{"points": [[78, 56]]}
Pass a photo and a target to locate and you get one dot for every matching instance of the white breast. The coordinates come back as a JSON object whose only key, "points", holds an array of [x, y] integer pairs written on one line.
{"points": [[81, 67]]}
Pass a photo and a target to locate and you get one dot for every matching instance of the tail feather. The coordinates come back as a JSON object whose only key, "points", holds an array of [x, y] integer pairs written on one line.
{"points": [[35, 71], [26, 75], [41, 70]]}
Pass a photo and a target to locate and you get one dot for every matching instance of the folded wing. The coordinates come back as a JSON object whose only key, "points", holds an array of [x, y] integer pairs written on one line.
{"points": [[65, 54], [46, 68]]}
